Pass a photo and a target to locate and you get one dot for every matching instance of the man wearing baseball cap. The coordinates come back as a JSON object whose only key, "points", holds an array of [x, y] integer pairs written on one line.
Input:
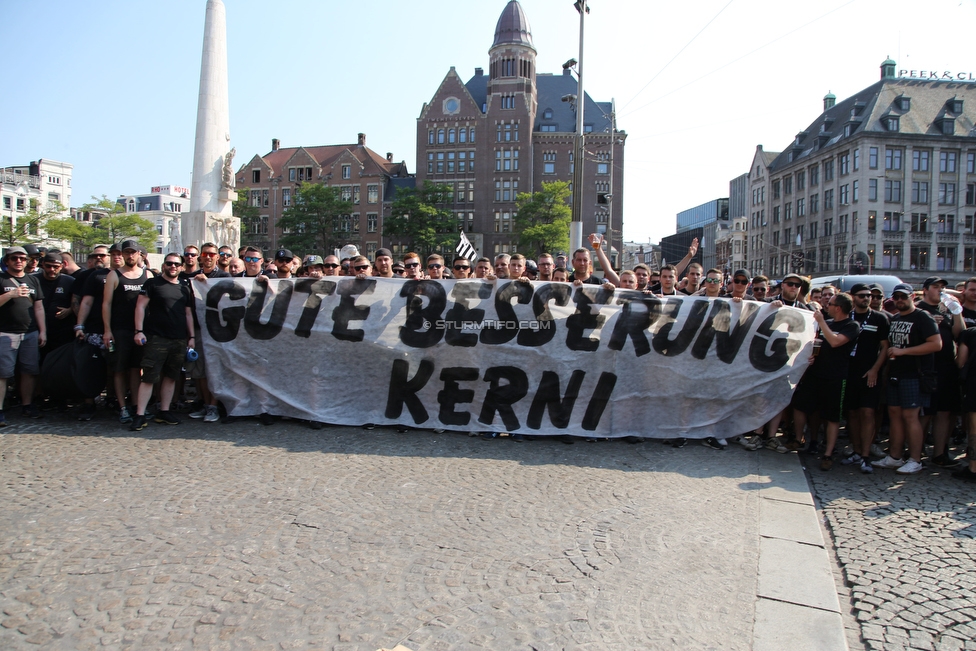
{"points": [[913, 340], [383, 263], [23, 329], [283, 260]]}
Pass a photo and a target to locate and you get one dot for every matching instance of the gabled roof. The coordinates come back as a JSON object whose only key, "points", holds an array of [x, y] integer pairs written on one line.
{"points": [[865, 112], [327, 155]]}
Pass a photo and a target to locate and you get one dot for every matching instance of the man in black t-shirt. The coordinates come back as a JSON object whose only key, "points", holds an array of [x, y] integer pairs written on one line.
{"points": [[23, 329], [198, 368], [56, 286], [863, 385], [164, 319], [913, 340], [822, 386]]}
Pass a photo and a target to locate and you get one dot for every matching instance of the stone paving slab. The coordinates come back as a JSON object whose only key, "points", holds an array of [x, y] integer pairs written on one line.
{"points": [[784, 626], [242, 536], [790, 521], [796, 573]]}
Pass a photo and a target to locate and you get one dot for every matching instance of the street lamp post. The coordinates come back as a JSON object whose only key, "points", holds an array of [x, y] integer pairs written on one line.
{"points": [[576, 226]]}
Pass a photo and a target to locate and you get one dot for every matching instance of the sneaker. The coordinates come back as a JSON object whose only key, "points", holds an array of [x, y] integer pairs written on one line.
{"points": [[489, 435], [712, 442], [751, 443], [775, 445], [827, 462], [944, 461], [793, 445], [634, 440], [266, 418], [518, 438], [138, 423], [212, 416], [679, 443], [87, 411], [910, 467], [369, 426], [31, 411], [963, 473], [854, 457], [166, 418], [866, 467], [887, 462], [199, 413], [125, 416]]}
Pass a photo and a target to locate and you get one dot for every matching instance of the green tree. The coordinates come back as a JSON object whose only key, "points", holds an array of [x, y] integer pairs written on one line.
{"points": [[27, 229], [316, 220], [110, 223], [543, 219], [249, 215], [419, 216]]}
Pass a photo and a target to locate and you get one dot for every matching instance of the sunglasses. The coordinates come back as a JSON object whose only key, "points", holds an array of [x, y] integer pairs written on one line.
{"points": [[251, 259], [759, 290], [791, 284], [361, 267], [52, 266], [879, 296], [862, 295], [434, 266], [459, 267], [713, 281], [210, 254], [224, 254], [18, 258], [899, 297], [330, 265], [411, 264], [99, 255], [172, 263], [188, 254], [741, 281]]}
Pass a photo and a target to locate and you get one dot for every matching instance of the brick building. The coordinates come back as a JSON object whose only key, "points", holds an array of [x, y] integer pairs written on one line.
{"points": [[365, 177], [512, 129]]}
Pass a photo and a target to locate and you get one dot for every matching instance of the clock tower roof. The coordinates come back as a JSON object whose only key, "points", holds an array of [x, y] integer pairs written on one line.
{"points": [[513, 27]]}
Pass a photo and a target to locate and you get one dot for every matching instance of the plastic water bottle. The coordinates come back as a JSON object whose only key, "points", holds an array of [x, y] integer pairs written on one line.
{"points": [[950, 303], [192, 355]]}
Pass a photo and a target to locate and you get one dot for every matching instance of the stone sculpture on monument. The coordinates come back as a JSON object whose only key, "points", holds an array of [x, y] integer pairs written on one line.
{"points": [[212, 192]]}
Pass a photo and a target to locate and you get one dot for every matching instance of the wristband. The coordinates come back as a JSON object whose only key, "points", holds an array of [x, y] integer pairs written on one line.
{"points": [[138, 332], [80, 327]]}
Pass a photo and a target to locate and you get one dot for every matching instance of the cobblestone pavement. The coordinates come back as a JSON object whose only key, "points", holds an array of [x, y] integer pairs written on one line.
{"points": [[242, 536], [907, 553]]}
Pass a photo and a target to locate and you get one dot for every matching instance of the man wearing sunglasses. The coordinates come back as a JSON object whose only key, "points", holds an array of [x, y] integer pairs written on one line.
{"points": [[191, 255], [23, 329], [56, 286], [253, 263], [411, 267], [712, 284], [224, 256], [863, 394], [462, 268], [360, 267], [435, 267], [760, 286], [209, 266], [383, 263], [790, 292], [913, 340], [283, 259], [739, 284], [164, 329], [331, 266]]}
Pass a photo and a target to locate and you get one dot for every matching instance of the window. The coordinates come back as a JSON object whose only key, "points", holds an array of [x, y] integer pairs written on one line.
{"points": [[971, 163], [776, 211], [969, 260], [893, 191], [893, 159], [828, 228], [891, 123], [8, 204], [845, 164], [947, 194], [971, 194], [828, 168], [508, 101], [813, 231], [855, 191], [776, 189], [430, 136], [945, 258], [264, 224], [372, 193], [256, 198], [801, 178], [547, 114], [372, 220], [548, 128], [462, 135], [892, 221], [440, 136], [947, 161], [842, 223], [451, 136], [920, 161], [814, 176], [814, 204], [872, 189], [788, 211], [602, 168], [800, 208], [920, 192], [857, 159], [346, 192], [286, 197], [844, 194], [347, 171], [355, 194], [828, 199], [920, 222], [872, 221], [918, 259], [549, 163], [255, 176], [873, 158], [788, 185], [440, 162], [891, 257], [946, 224]]}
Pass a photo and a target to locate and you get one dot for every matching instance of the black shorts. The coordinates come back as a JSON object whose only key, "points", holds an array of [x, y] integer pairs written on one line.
{"points": [[906, 394], [162, 357], [858, 395], [948, 396], [819, 395], [127, 355]]}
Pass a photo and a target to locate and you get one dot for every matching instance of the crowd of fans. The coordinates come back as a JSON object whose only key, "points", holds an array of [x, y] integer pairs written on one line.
{"points": [[896, 365]]}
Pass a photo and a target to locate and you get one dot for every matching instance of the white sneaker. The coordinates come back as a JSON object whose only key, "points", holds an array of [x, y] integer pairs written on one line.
{"points": [[198, 414], [887, 462], [910, 467], [212, 415]]}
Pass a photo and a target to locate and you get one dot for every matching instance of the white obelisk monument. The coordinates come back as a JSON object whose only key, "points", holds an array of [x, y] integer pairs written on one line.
{"points": [[212, 187]]}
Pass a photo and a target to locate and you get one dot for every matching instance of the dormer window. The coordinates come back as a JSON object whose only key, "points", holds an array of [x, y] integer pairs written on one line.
{"points": [[858, 109], [946, 125], [850, 128], [904, 103], [547, 114], [891, 123], [954, 105]]}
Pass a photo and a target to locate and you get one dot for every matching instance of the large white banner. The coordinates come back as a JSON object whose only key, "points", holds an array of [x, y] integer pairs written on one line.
{"points": [[533, 358]]}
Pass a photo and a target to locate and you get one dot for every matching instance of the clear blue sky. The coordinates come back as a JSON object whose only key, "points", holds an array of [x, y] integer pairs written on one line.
{"points": [[111, 85]]}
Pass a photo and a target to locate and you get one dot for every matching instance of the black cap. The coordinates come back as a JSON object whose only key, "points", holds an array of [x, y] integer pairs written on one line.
{"points": [[741, 272], [51, 258], [933, 280], [114, 247], [129, 244], [32, 251], [859, 287], [877, 286], [530, 265], [792, 275], [284, 254], [385, 252], [903, 288]]}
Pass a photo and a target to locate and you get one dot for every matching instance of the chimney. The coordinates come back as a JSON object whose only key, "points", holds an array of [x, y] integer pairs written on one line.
{"points": [[479, 72], [362, 140], [275, 143], [829, 100], [389, 156]]}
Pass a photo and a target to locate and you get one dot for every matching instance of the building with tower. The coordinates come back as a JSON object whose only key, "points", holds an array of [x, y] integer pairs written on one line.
{"points": [[510, 130]]}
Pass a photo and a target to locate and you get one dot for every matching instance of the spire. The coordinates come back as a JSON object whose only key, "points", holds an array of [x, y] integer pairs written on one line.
{"points": [[513, 27]]}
